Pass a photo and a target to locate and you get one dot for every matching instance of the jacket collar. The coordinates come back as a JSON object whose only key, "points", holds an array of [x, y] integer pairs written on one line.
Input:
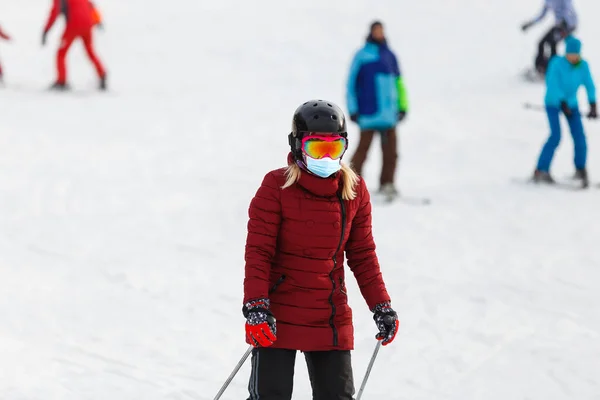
{"points": [[375, 42]]}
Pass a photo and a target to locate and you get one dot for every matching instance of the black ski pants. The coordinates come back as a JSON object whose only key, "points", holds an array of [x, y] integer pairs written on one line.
{"points": [[550, 40], [272, 376]]}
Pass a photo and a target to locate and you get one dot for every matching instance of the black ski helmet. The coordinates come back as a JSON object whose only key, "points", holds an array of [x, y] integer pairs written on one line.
{"points": [[315, 116]]}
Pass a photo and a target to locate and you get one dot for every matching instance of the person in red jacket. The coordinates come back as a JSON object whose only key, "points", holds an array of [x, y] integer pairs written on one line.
{"points": [[302, 220], [5, 37], [81, 17]]}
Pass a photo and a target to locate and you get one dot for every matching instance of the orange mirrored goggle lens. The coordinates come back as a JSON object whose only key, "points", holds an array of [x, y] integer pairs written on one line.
{"points": [[318, 147]]}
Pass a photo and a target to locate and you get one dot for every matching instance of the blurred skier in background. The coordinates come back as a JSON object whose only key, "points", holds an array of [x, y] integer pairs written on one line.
{"points": [[4, 36], [377, 101], [565, 23], [564, 77], [302, 220], [81, 17]]}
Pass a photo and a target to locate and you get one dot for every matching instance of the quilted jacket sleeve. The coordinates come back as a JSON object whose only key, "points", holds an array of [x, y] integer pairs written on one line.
{"points": [[261, 241], [360, 251]]}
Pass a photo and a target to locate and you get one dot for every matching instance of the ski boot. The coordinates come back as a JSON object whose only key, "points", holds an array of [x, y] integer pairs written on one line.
{"points": [[542, 177], [102, 86], [582, 175], [60, 86], [389, 191]]}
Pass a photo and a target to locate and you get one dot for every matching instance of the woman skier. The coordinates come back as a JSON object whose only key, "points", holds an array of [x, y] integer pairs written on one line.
{"points": [[302, 220]]}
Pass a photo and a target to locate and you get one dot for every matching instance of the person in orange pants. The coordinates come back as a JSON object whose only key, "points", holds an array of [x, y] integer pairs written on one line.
{"points": [[5, 37], [81, 17]]}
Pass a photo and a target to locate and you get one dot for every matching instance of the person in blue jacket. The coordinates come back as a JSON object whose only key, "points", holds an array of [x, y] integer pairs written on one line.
{"points": [[377, 100], [564, 77]]}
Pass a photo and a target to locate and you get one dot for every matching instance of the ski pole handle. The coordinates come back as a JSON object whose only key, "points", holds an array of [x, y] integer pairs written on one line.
{"points": [[235, 371]]}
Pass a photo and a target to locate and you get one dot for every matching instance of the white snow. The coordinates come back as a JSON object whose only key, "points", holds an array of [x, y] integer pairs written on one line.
{"points": [[123, 215]]}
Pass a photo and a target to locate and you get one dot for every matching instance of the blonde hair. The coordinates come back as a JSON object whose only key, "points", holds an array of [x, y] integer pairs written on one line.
{"points": [[349, 180]]}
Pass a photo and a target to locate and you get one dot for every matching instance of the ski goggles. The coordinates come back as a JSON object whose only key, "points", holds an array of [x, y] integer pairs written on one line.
{"points": [[319, 146]]}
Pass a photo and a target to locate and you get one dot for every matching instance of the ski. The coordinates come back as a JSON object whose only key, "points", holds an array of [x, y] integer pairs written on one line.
{"points": [[410, 200], [569, 185], [417, 201], [73, 92], [558, 184]]}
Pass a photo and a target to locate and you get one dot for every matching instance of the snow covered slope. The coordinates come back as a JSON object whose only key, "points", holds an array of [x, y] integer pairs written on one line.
{"points": [[122, 215]]}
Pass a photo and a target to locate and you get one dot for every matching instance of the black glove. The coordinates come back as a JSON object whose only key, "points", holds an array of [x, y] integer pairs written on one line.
{"points": [[563, 29], [354, 117], [593, 111], [386, 320], [260, 323], [401, 115], [526, 26], [44, 34], [565, 109]]}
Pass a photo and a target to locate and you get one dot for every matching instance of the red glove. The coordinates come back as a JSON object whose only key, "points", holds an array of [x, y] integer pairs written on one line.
{"points": [[386, 320], [260, 323]]}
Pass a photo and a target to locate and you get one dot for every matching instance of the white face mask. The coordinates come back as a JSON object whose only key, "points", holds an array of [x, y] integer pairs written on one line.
{"points": [[325, 167]]}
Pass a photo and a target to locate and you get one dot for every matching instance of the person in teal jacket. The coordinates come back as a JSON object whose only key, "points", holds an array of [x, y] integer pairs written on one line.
{"points": [[564, 77], [377, 101]]}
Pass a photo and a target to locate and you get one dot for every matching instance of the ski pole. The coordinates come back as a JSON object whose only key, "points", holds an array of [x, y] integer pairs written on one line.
{"points": [[536, 107], [235, 371], [364, 382]]}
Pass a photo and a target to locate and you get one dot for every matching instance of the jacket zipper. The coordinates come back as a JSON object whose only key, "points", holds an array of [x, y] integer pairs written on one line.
{"points": [[331, 318], [277, 283], [342, 286]]}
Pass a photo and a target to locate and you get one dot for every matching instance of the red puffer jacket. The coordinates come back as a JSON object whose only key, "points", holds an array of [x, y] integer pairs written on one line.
{"points": [[295, 257], [78, 13]]}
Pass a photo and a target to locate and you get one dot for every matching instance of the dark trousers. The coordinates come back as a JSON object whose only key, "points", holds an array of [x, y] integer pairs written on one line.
{"points": [[389, 151], [549, 41], [272, 376]]}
